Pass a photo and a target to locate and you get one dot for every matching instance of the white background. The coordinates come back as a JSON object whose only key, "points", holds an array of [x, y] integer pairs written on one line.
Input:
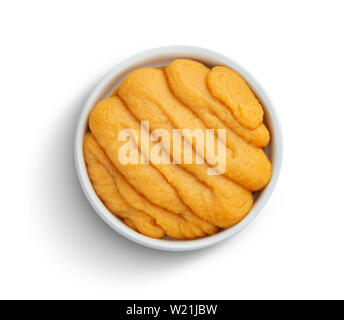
{"points": [[52, 244]]}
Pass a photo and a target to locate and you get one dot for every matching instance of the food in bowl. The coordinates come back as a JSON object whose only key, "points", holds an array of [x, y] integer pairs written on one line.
{"points": [[142, 177]]}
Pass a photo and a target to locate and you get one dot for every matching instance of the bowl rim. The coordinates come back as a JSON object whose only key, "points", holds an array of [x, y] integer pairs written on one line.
{"points": [[142, 58]]}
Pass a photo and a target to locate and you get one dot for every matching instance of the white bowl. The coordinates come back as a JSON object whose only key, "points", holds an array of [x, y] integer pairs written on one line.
{"points": [[158, 57]]}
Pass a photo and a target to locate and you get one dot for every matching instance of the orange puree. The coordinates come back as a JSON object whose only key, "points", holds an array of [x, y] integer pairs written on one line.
{"points": [[180, 200]]}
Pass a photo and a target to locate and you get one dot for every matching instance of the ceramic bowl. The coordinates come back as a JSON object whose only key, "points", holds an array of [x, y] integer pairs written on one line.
{"points": [[159, 57]]}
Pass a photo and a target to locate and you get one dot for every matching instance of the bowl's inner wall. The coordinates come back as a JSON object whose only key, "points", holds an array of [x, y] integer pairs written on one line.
{"points": [[163, 60]]}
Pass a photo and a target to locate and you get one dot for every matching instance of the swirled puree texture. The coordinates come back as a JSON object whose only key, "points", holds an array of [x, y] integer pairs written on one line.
{"points": [[183, 200]]}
